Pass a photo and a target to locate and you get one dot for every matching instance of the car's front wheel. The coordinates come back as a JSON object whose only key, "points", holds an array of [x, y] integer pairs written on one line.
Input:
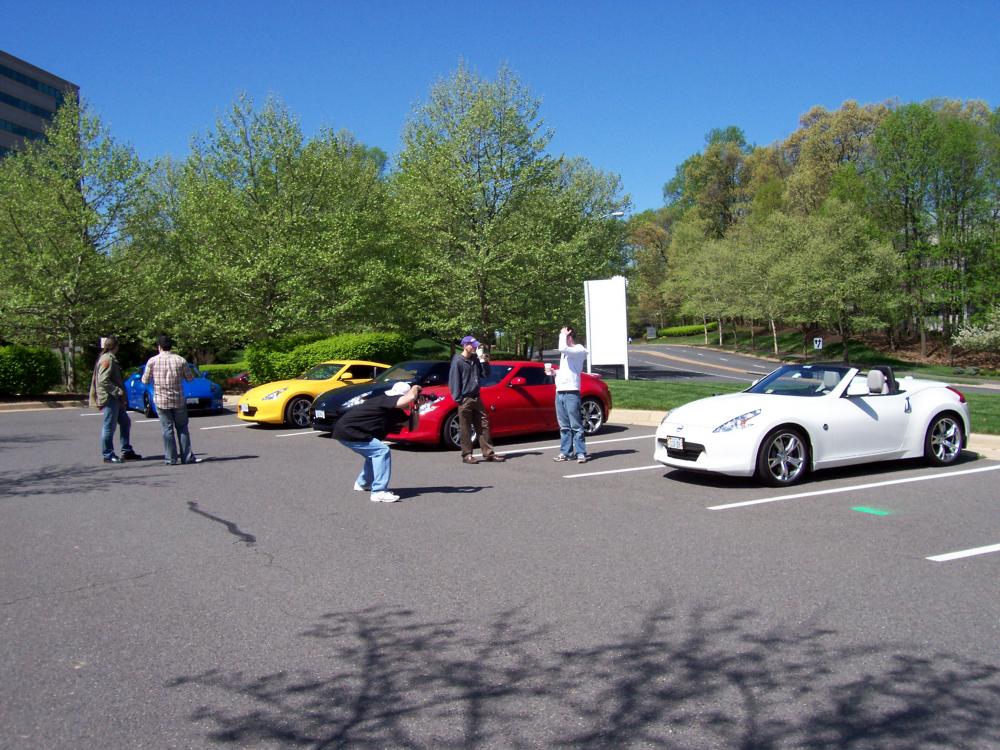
{"points": [[943, 442], [783, 458], [591, 415], [297, 411], [147, 407], [451, 432]]}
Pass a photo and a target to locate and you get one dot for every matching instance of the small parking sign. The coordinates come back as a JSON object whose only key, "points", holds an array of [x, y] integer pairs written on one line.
{"points": [[818, 342]]}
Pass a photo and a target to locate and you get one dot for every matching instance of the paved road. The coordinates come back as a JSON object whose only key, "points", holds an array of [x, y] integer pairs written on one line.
{"points": [[254, 600], [674, 362]]}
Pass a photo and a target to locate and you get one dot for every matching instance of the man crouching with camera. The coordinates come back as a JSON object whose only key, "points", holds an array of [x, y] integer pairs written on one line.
{"points": [[362, 428]]}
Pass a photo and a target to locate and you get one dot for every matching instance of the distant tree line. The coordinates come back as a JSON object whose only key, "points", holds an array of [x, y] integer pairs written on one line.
{"points": [[870, 218], [263, 232]]}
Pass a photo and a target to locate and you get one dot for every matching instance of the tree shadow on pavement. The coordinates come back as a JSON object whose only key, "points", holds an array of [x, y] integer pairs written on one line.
{"points": [[71, 480], [701, 678]]}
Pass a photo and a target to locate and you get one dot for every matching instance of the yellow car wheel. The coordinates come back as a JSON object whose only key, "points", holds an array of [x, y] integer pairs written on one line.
{"points": [[297, 411]]}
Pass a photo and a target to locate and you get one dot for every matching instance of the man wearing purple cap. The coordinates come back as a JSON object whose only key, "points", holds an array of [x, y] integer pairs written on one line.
{"points": [[361, 429], [467, 367]]}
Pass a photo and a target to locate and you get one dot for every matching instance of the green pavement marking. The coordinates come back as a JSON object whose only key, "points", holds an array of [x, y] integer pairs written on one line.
{"points": [[873, 511]]}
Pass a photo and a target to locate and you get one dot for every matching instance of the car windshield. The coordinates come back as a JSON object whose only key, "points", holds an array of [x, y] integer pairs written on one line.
{"points": [[321, 372], [801, 380], [421, 373]]}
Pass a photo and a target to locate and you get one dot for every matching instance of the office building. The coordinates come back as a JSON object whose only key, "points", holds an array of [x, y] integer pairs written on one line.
{"points": [[29, 97]]}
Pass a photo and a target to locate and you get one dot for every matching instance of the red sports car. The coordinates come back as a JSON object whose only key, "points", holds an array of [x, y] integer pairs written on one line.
{"points": [[519, 397]]}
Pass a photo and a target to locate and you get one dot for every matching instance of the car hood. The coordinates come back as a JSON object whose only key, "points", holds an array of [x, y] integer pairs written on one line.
{"points": [[715, 410], [260, 391], [338, 396]]}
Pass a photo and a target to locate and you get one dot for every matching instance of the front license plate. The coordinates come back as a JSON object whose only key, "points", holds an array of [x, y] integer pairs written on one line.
{"points": [[675, 443], [245, 408], [320, 414], [192, 402]]}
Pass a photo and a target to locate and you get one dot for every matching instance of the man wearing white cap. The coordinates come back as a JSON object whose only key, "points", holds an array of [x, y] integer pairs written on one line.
{"points": [[467, 367], [361, 429]]}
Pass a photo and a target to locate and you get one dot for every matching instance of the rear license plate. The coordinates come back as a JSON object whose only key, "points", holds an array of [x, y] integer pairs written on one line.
{"points": [[320, 414], [675, 443]]}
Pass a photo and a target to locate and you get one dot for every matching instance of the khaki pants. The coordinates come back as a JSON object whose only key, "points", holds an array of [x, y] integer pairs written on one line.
{"points": [[472, 414]]}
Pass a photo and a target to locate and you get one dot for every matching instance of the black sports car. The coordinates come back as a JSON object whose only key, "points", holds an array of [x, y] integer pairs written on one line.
{"points": [[328, 407]]}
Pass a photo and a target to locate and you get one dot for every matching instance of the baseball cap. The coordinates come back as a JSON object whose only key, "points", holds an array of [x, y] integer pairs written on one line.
{"points": [[398, 389], [471, 340]]}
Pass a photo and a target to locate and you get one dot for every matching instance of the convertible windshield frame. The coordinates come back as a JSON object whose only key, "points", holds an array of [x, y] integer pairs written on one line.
{"points": [[809, 381]]}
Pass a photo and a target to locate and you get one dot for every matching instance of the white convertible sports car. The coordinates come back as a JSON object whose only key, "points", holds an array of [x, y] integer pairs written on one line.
{"points": [[804, 417]]}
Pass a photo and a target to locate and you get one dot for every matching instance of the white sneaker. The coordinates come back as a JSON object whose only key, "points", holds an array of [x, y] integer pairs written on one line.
{"points": [[384, 497], [582, 458], [358, 487]]}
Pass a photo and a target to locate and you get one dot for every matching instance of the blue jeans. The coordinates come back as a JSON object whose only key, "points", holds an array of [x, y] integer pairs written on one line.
{"points": [[175, 420], [115, 413], [571, 440], [377, 469]]}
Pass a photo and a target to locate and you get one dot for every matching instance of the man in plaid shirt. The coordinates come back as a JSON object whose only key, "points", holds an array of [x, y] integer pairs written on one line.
{"points": [[165, 370]]}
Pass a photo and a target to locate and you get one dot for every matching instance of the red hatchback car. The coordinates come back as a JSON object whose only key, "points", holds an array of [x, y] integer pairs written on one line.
{"points": [[519, 398]]}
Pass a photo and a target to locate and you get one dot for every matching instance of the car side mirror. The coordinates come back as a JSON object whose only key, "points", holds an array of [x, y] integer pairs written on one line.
{"points": [[518, 381]]}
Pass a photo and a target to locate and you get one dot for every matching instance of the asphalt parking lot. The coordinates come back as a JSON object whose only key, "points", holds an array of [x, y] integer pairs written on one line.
{"points": [[255, 600]]}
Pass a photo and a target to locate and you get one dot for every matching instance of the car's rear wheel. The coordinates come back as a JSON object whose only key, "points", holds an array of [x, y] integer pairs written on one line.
{"points": [[591, 415], [783, 458], [451, 432], [147, 407], [943, 442], [297, 411]]}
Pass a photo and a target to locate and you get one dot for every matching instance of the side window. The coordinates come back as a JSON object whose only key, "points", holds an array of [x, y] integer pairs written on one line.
{"points": [[534, 376], [497, 373], [362, 372]]}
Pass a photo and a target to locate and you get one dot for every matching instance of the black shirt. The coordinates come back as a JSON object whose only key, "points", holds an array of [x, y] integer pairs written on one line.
{"points": [[374, 418]]}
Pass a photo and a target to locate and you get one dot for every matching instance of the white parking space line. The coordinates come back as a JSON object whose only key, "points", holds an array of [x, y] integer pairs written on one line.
{"points": [[224, 426], [85, 414], [854, 488], [298, 434], [613, 471], [965, 553]]}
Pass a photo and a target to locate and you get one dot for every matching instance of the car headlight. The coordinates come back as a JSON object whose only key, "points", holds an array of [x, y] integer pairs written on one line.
{"points": [[431, 405], [665, 417], [274, 394], [737, 423]]}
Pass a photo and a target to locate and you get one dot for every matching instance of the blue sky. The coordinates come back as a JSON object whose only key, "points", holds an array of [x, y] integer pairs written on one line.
{"points": [[631, 86]]}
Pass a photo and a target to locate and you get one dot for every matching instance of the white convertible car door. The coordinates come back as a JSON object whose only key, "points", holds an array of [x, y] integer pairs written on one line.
{"points": [[861, 426]]}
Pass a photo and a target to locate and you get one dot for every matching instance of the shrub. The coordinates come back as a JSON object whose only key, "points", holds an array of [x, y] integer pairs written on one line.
{"points": [[687, 330], [267, 362], [28, 370], [218, 373]]}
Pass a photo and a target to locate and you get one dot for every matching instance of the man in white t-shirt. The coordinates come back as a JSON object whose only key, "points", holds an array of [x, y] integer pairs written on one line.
{"points": [[572, 357]]}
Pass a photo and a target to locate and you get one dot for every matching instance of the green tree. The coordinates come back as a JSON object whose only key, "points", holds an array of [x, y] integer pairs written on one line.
{"points": [[847, 279], [66, 205], [500, 235], [271, 233]]}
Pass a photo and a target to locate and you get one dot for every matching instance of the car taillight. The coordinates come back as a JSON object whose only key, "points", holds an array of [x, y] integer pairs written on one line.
{"points": [[961, 396]]}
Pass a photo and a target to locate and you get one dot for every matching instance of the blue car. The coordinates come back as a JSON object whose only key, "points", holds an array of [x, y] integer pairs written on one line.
{"points": [[201, 393]]}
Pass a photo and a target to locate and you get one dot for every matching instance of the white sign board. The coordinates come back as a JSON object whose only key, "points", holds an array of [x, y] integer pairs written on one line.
{"points": [[607, 322], [817, 343]]}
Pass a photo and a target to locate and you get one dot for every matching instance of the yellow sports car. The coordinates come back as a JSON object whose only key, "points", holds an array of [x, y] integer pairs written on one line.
{"points": [[288, 401]]}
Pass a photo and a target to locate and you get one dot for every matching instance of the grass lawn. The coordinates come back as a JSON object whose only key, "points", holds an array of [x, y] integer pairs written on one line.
{"points": [[659, 396]]}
